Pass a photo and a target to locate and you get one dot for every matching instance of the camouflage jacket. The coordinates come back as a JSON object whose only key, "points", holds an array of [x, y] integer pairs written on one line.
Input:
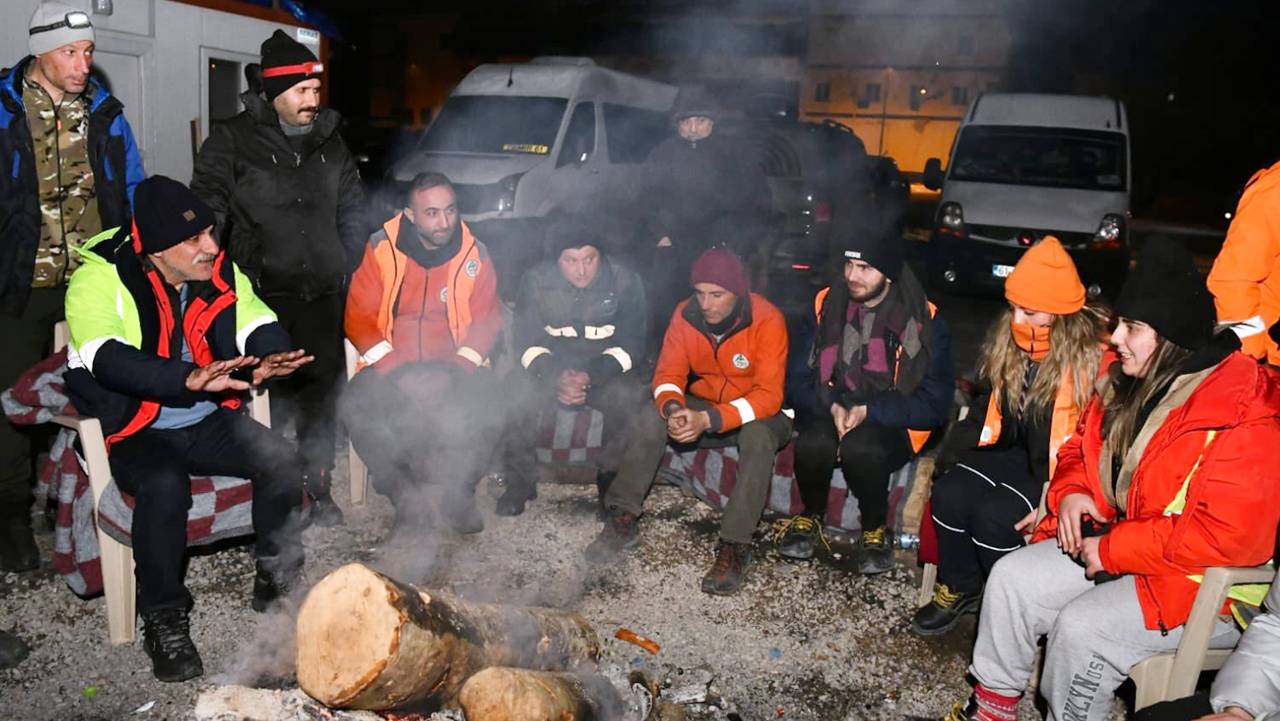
{"points": [[112, 157]]}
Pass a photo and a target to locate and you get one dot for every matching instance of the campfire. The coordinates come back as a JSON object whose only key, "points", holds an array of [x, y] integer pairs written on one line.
{"points": [[370, 647]]}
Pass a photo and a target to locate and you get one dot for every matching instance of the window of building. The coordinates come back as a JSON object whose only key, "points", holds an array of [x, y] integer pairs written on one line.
{"points": [[580, 138], [822, 92], [959, 96], [918, 95], [224, 88]]}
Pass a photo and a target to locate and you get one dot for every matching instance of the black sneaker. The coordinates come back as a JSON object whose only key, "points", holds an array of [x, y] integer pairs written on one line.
{"points": [[463, 517], [18, 552], [318, 501], [620, 532], [729, 570], [12, 650], [166, 637], [944, 611], [517, 494], [271, 584], [877, 554], [797, 538]]}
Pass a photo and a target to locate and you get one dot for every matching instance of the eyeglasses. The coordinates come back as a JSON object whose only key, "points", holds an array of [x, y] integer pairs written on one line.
{"points": [[75, 19]]}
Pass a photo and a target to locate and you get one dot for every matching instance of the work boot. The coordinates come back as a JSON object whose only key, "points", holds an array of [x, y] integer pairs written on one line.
{"points": [[729, 570], [620, 532], [877, 554], [273, 581], [604, 479], [18, 550], [516, 494], [317, 500], [944, 611], [166, 637], [12, 650], [797, 538]]}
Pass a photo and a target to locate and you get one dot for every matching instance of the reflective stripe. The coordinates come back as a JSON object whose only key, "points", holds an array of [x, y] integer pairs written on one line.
{"points": [[744, 409], [376, 353], [598, 332], [789, 413], [623, 358], [532, 354], [667, 388], [89, 351], [472, 355], [242, 336], [1024, 498], [977, 473], [567, 331], [1248, 327], [949, 528], [976, 542]]}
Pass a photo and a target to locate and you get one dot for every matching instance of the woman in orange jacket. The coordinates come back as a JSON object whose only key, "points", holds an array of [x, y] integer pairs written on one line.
{"points": [[1171, 471]]}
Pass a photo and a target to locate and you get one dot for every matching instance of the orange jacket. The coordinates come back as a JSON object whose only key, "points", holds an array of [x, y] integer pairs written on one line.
{"points": [[1245, 280], [473, 311], [742, 376], [1206, 491]]}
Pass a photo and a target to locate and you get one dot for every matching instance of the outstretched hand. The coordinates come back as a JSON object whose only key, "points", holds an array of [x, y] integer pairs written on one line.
{"points": [[280, 364], [216, 377]]}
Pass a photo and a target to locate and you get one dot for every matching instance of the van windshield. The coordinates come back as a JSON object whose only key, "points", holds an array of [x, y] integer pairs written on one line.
{"points": [[1049, 157], [496, 124]]}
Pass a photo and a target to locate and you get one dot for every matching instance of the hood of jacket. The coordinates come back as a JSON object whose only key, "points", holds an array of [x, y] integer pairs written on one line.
{"points": [[263, 113]]}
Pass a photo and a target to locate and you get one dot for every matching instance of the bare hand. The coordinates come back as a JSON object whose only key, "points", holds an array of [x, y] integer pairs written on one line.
{"points": [[571, 388], [281, 364], [1073, 507], [664, 242], [855, 418], [686, 425], [1091, 555], [838, 416], [1230, 713], [216, 377], [1024, 525]]}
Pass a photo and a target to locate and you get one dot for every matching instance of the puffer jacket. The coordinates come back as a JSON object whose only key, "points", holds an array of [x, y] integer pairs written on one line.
{"points": [[117, 169], [293, 220], [1245, 279], [1250, 679], [1205, 490]]}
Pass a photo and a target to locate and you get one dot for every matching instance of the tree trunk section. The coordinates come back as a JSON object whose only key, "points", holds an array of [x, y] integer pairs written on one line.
{"points": [[513, 694], [366, 641]]}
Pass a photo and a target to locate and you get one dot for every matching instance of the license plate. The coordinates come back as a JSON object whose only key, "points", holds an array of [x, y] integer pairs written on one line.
{"points": [[1001, 271]]}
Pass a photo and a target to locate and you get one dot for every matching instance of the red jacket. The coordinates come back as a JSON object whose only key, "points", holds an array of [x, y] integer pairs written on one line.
{"points": [[742, 376], [1221, 444]]}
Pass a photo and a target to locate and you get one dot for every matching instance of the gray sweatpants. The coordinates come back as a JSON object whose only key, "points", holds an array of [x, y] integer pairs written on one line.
{"points": [[1096, 633]]}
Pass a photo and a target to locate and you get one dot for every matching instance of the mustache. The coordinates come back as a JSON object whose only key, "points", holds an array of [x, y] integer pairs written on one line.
{"points": [[310, 109]]}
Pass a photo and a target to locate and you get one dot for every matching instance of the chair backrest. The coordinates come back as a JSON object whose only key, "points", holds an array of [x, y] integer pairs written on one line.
{"points": [[61, 335]]}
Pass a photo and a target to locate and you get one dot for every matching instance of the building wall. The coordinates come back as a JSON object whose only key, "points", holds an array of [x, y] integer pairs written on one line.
{"points": [[153, 53], [901, 75]]}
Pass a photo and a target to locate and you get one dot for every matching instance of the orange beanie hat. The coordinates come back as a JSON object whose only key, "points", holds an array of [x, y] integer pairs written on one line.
{"points": [[1045, 279]]}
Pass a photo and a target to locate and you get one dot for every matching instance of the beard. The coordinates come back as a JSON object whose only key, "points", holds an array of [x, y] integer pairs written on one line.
{"points": [[869, 294]]}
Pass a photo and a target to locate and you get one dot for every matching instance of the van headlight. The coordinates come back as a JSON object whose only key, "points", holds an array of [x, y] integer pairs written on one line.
{"points": [[951, 218], [1110, 233]]}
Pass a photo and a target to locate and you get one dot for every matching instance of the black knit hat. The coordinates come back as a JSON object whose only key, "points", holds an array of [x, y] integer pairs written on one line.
{"points": [[285, 63], [566, 234], [165, 213], [871, 235], [695, 100], [1165, 291]]}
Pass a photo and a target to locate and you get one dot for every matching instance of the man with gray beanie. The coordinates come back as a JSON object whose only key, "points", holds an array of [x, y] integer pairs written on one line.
{"points": [[74, 168], [286, 193]]}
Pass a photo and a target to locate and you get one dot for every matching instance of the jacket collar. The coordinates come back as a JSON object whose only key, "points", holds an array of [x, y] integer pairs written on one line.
{"points": [[693, 315], [263, 113], [11, 89]]}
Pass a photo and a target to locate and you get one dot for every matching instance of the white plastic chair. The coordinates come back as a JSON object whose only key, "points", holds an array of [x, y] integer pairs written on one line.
{"points": [[358, 471], [119, 586]]}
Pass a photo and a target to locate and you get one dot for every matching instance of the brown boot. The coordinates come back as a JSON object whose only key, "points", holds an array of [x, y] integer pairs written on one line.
{"points": [[619, 533], [729, 570]]}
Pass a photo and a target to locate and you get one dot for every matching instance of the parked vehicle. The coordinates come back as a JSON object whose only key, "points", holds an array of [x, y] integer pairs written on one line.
{"points": [[1024, 166]]}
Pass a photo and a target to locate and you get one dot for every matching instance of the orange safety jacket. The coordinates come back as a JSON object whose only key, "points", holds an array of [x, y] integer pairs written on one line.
{"points": [[1245, 279]]}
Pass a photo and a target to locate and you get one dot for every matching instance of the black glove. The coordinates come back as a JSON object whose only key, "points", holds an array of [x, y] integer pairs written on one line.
{"points": [[1091, 529]]}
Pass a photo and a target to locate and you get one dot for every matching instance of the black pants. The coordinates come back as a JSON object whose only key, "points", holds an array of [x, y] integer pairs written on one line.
{"points": [[424, 423], [622, 400], [975, 506], [26, 340], [155, 467], [1187, 708], [869, 454], [309, 395]]}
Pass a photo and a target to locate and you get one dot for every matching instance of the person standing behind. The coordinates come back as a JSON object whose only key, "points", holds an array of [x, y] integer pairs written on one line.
{"points": [[74, 168], [286, 193], [1245, 279]]}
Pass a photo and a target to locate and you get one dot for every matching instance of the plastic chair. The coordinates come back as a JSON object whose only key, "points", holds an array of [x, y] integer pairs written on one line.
{"points": [[357, 469], [119, 586], [1169, 676]]}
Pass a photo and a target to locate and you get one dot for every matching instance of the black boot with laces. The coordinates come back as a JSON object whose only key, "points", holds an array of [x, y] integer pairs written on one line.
{"points": [[166, 637]]}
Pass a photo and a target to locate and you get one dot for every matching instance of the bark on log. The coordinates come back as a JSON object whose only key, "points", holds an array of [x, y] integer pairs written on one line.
{"points": [[513, 694], [366, 641]]}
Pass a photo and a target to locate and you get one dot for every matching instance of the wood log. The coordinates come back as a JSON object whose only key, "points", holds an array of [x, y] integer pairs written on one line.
{"points": [[366, 641], [513, 694]]}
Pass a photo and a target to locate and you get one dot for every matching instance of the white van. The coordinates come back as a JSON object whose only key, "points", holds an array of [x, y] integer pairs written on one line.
{"points": [[1024, 166]]}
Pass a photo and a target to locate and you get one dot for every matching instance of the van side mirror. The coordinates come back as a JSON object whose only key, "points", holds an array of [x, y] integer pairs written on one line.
{"points": [[933, 176]]}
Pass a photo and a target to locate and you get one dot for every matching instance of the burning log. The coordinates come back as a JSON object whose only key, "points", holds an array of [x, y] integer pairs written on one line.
{"points": [[366, 641], [513, 694]]}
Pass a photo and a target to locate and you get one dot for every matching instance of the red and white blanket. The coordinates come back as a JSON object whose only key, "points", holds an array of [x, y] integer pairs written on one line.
{"points": [[220, 505]]}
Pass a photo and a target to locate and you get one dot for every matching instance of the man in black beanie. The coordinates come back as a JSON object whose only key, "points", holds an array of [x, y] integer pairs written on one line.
{"points": [[882, 360], [579, 337], [166, 336], [286, 194]]}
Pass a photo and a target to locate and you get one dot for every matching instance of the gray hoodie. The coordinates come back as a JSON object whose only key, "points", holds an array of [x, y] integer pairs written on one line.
{"points": [[1250, 678]]}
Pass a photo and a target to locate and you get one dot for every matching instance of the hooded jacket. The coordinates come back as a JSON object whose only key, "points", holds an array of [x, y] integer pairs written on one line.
{"points": [[599, 329], [113, 155], [1205, 490], [1250, 678], [1245, 279], [124, 357], [291, 216]]}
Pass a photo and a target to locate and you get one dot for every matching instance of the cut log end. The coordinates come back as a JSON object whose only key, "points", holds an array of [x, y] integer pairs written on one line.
{"points": [[511, 694]]}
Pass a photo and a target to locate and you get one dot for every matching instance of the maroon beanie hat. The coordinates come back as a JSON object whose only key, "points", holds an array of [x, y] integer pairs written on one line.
{"points": [[722, 267]]}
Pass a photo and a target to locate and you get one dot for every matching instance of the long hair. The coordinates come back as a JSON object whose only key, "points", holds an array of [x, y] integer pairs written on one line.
{"points": [[1074, 343], [1120, 417]]}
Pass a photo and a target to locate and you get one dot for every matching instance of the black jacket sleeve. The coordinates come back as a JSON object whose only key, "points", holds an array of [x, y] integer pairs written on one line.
{"points": [[533, 352], [124, 369], [268, 339], [353, 221], [929, 406], [631, 328]]}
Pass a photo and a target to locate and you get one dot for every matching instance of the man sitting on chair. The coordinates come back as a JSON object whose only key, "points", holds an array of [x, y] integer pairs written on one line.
{"points": [[579, 331], [166, 335]]}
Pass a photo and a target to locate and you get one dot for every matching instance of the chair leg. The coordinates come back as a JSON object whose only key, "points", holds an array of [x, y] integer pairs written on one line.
{"points": [[119, 588], [359, 476], [928, 577]]}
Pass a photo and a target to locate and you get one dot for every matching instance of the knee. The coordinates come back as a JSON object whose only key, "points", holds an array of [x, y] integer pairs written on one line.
{"points": [[950, 498], [166, 487], [755, 437], [1076, 627], [1008, 572], [815, 444]]}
